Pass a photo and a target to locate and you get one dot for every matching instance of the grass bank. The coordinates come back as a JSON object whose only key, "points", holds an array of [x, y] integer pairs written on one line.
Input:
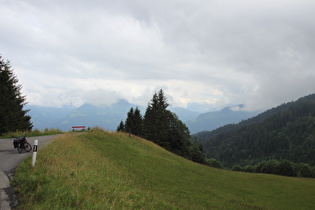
{"points": [[102, 170]]}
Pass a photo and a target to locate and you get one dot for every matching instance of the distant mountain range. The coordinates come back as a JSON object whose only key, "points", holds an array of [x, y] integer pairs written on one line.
{"points": [[109, 116], [212, 120], [48, 117]]}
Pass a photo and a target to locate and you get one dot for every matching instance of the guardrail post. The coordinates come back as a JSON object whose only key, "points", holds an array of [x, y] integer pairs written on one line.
{"points": [[34, 152]]}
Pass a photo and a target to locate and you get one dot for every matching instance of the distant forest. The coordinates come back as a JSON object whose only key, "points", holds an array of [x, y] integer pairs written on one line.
{"points": [[286, 132]]}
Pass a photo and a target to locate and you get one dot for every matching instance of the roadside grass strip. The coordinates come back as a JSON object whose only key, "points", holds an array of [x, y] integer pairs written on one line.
{"points": [[35, 132]]}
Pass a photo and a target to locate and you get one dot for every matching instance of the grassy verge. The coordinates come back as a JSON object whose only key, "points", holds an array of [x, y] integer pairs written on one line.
{"points": [[35, 132], [101, 170]]}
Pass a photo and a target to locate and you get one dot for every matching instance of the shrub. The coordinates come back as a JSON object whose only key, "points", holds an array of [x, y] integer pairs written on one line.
{"points": [[270, 167], [214, 163], [249, 168], [237, 168], [286, 168], [304, 170], [259, 166]]}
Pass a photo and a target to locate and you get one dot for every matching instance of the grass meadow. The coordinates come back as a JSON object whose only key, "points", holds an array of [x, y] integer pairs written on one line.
{"points": [[104, 170]]}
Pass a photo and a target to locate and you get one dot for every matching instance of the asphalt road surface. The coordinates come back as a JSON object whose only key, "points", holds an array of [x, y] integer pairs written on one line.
{"points": [[9, 160]]}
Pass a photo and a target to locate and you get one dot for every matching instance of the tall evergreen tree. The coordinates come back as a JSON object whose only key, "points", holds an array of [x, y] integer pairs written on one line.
{"points": [[138, 119], [12, 115], [129, 121], [164, 128], [133, 122], [155, 122]]}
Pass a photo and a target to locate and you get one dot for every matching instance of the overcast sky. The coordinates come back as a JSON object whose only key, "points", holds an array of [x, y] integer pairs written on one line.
{"points": [[211, 52]]}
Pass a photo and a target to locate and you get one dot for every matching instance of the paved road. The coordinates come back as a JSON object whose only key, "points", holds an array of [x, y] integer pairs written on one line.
{"points": [[9, 160]]}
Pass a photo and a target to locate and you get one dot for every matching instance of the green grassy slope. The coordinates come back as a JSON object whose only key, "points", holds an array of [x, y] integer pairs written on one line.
{"points": [[101, 170]]}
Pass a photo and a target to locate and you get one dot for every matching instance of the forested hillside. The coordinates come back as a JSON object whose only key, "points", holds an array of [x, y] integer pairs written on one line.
{"points": [[284, 132]]}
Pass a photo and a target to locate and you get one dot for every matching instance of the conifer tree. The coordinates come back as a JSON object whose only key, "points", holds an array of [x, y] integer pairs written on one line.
{"points": [[164, 128], [121, 126], [133, 122], [12, 115], [129, 121], [155, 122], [137, 122]]}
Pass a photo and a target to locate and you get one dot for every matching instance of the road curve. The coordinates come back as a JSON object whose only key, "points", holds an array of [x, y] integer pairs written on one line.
{"points": [[9, 160]]}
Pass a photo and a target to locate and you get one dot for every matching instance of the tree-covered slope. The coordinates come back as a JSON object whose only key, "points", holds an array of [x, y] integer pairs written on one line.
{"points": [[284, 132]]}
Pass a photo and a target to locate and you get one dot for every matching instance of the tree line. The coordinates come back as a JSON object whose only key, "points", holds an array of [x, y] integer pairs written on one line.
{"points": [[12, 115], [282, 167], [162, 127]]}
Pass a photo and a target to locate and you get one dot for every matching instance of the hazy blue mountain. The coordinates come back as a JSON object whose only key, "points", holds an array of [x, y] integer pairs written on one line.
{"points": [[109, 116], [184, 114], [47, 117], [105, 116], [212, 120]]}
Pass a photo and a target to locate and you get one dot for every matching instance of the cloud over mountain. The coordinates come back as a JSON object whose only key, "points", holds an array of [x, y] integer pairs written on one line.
{"points": [[208, 52]]}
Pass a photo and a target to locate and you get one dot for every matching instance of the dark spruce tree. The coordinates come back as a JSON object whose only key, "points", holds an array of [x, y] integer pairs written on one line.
{"points": [[138, 119], [12, 115], [129, 123], [163, 127], [133, 122], [155, 122], [121, 127]]}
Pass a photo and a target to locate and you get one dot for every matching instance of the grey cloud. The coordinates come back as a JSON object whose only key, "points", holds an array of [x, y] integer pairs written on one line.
{"points": [[259, 53]]}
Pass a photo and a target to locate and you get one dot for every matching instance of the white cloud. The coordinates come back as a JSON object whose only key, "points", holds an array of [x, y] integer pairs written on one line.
{"points": [[259, 53], [101, 97]]}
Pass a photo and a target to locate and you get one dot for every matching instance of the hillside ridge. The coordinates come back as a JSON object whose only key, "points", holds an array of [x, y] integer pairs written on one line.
{"points": [[284, 132]]}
